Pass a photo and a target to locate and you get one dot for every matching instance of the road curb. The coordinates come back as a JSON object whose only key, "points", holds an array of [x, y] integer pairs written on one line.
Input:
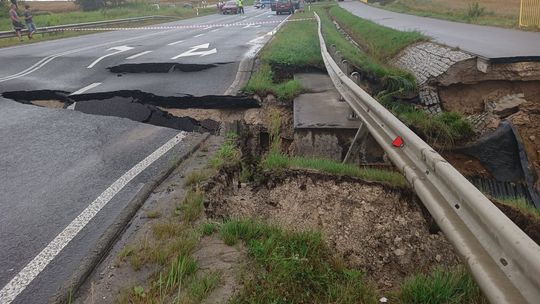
{"points": [[108, 239]]}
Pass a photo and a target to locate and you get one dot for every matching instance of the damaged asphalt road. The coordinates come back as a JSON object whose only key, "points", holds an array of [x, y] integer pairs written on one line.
{"points": [[56, 162]]}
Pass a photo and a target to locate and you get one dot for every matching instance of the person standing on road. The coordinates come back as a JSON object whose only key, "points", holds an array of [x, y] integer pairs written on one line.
{"points": [[29, 21], [241, 6], [15, 21]]}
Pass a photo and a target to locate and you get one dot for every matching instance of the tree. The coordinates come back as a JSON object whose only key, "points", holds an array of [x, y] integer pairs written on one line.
{"points": [[90, 5]]}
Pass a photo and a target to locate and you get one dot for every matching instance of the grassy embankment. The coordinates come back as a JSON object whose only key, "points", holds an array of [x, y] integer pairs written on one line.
{"points": [[294, 48], [284, 266], [43, 19], [379, 45], [503, 13]]}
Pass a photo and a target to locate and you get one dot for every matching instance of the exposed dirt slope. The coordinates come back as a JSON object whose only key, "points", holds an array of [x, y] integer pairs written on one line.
{"points": [[374, 227]]}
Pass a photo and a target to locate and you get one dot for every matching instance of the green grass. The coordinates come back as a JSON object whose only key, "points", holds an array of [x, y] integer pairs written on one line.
{"points": [[443, 130], [276, 160], [262, 84], [208, 228], [380, 42], [228, 154], [294, 48], [442, 286], [127, 11], [522, 205], [192, 205], [391, 79], [459, 15], [195, 178], [293, 267]]}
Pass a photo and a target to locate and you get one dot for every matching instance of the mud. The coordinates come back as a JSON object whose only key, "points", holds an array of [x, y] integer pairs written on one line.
{"points": [[526, 222], [376, 228], [472, 98]]}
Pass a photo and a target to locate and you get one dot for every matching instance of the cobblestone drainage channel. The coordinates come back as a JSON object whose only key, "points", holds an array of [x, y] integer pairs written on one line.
{"points": [[138, 106]]}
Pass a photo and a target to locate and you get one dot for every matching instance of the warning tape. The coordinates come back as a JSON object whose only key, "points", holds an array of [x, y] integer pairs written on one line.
{"points": [[172, 27]]}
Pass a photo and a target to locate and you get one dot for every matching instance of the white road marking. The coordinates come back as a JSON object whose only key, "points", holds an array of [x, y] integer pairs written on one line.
{"points": [[198, 35], [119, 49], [176, 42], [193, 51], [86, 88], [139, 55], [19, 283], [38, 65], [214, 30]]}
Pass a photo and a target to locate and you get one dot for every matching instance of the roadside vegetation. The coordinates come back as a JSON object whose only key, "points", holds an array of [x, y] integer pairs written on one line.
{"points": [[377, 46], [298, 267], [128, 10], [174, 239], [503, 13], [294, 48], [522, 205]]}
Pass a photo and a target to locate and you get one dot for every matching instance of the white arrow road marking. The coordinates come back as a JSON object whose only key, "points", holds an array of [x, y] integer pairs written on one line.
{"points": [[176, 42], [118, 49], [192, 51], [19, 283], [86, 88], [139, 55]]}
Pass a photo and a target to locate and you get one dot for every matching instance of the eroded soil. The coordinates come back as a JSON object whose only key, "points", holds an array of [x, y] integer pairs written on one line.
{"points": [[376, 228]]}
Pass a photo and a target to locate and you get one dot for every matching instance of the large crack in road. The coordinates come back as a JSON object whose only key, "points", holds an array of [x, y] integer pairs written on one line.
{"points": [[138, 106], [162, 67]]}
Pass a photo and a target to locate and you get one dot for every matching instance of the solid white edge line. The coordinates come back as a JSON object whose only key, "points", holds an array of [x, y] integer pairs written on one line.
{"points": [[139, 55], [19, 283], [86, 88]]}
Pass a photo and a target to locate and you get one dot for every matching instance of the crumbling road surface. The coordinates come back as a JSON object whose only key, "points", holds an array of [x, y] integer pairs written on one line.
{"points": [[67, 176]]}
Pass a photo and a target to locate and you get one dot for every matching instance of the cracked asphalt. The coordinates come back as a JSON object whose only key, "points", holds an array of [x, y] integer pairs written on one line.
{"points": [[56, 162]]}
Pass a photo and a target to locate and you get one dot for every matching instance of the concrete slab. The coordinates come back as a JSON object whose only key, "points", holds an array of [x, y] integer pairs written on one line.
{"points": [[322, 111], [315, 82]]}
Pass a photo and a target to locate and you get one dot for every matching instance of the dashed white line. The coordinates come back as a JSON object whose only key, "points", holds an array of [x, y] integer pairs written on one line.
{"points": [[214, 30], [19, 283], [198, 35], [86, 88], [176, 42], [139, 55]]}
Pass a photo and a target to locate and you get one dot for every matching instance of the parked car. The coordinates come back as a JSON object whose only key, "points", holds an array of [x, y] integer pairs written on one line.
{"points": [[284, 6], [273, 5], [296, 4], [258, 4], [230, 7]]}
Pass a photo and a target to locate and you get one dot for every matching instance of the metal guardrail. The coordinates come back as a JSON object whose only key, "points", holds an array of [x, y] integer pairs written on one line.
{"points": [[529, 13], [503, 260], [65, 27]]}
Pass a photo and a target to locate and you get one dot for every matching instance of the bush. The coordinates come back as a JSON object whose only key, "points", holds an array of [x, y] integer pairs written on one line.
{"points": [[90, 5], [475, 10]]}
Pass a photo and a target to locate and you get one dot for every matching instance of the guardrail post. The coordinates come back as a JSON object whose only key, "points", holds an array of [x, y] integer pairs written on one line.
{"points": [[345, 66]]}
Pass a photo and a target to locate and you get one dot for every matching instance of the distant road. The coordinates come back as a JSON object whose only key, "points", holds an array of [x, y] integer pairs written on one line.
{"points": [[485, 41]]}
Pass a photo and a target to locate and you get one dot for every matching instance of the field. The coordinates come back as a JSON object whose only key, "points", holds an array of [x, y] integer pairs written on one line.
{"points": [[489, 12], [53, 6]]}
